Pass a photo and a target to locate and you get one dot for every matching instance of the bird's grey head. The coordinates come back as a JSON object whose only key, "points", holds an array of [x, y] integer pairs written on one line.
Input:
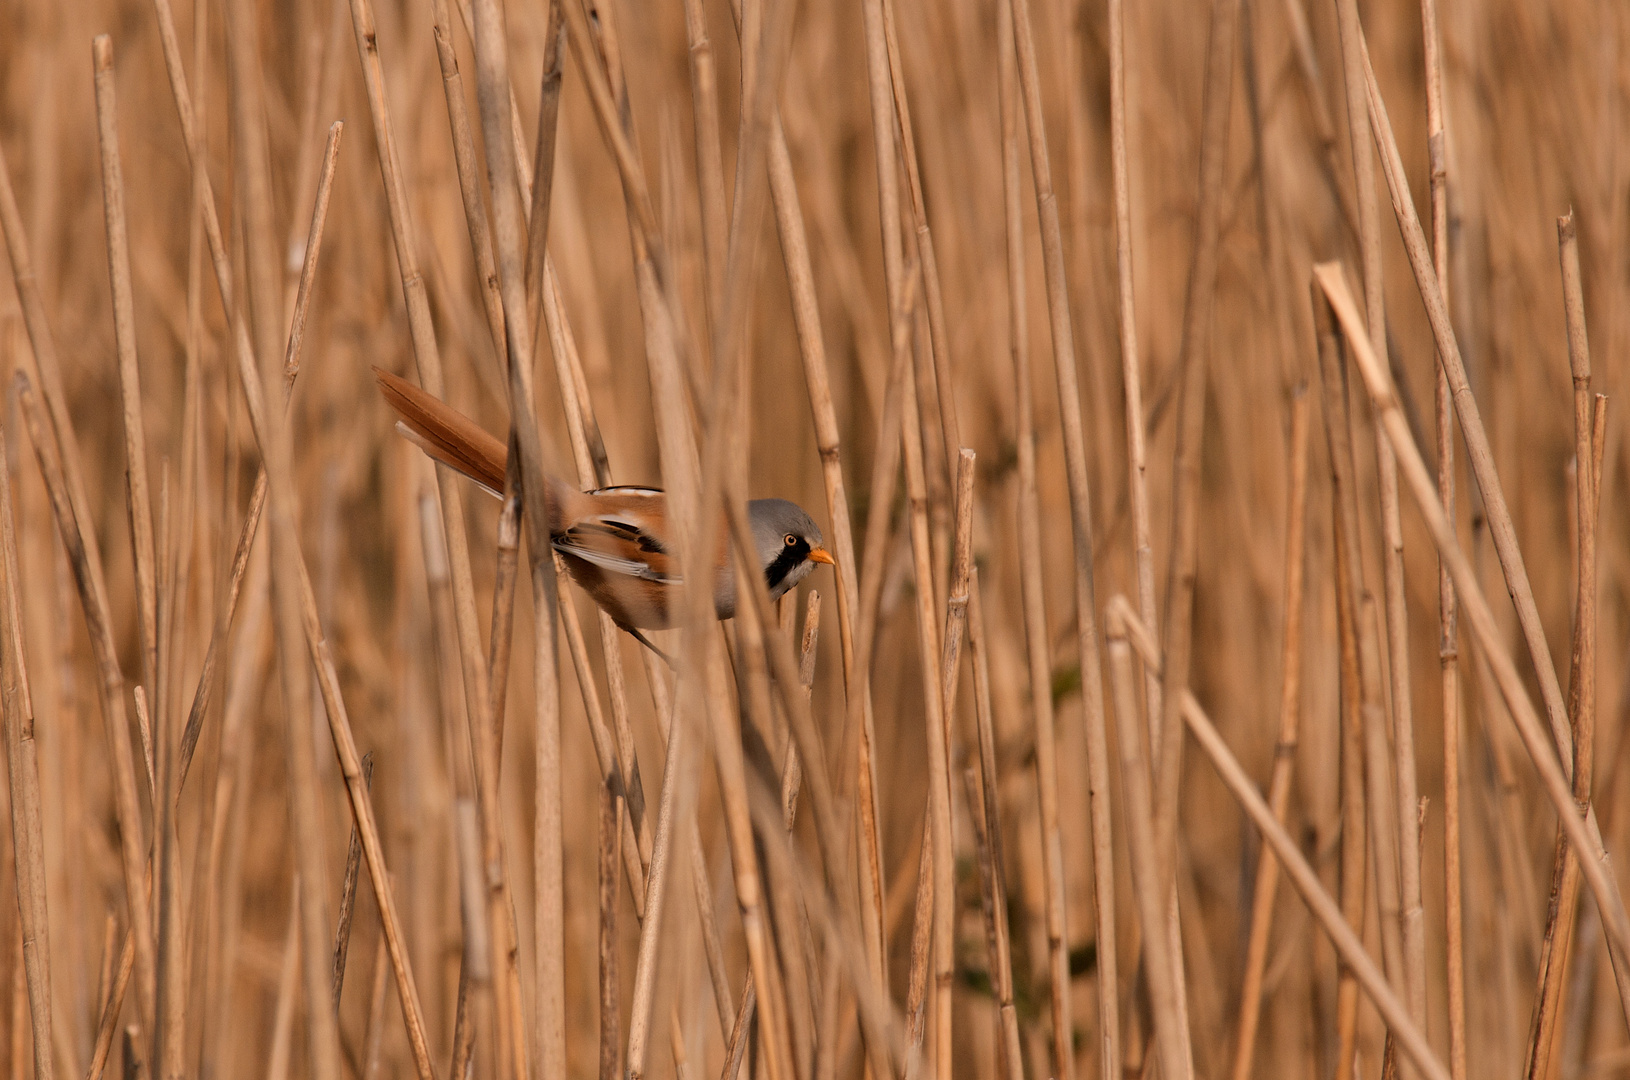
{"points": [[788, 541]]}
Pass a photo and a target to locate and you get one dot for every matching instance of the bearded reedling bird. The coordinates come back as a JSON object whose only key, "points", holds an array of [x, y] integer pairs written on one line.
{"points": [[616, 542]]}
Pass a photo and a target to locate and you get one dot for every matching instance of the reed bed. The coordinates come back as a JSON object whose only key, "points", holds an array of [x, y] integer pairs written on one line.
{"points": [[1224, 669]]}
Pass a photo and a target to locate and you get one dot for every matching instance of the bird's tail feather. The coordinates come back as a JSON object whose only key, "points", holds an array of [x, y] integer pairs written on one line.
{"points": [[444, 433]]}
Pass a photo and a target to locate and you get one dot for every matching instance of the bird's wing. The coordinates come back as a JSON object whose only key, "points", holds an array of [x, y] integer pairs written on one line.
{"points": [[619, 544]]}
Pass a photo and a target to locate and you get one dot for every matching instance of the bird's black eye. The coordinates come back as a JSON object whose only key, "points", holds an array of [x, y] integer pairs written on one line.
{"points": [[792, 541]]}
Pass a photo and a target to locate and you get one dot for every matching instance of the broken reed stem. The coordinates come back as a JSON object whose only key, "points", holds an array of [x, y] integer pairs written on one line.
{"points": [[944, 870], [1448, 638], [1582, 829], [1086, 608], [984, 802], [1400, 887], [23, 771], [314, 240], [59, 463], [348, 893], [1290, 716], [304, 603], [1354, 863], [1557, 950], [124, 332]]}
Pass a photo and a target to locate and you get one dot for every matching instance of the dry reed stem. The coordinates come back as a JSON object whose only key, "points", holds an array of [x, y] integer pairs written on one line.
{"points": [[1290, 716], [676, 774], [23, 771], [942, 878], [987, 819], [348, 893], [1448, 638], [1379, 794], [610, 841], [1131, 361], [71, 509], [124, 331], [1409, 912], [1086, 607], [956, 617], [709, 155], [540, 198], [1557, 950], [1153, 902], [170, 1020], [469, 178], [1578, 826], [1354, 864]]}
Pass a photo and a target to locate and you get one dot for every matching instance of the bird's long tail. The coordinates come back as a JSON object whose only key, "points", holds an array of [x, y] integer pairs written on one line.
{"points": [[444, 433]]}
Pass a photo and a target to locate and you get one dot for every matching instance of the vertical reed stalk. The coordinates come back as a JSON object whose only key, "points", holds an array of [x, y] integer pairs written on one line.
{"points": [[1448, 637], [1284, 758], [23, 771], [124, 332], [1557, 951], [610, 998]]}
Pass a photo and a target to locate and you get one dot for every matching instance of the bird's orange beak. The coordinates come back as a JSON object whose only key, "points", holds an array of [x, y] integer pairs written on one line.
{"points": [[821, 555]]}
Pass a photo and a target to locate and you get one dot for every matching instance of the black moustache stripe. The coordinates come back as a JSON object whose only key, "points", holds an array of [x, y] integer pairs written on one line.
{"points": [[786, 560]]}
